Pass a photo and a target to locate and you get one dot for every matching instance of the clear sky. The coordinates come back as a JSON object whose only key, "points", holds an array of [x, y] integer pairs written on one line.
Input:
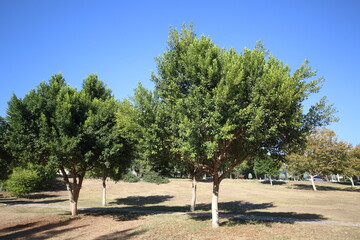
{"points": [[119, 40]]}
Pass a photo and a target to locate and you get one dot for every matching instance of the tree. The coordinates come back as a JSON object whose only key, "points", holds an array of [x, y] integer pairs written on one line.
{"points": [[225, 107], [267, 165], [5, 157], [322, 155], [112, 151], [56, 123], [352, 165]]}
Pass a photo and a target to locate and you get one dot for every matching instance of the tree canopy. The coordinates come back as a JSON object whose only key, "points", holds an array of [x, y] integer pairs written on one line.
{"points": [[322, 155], [225, 107], [75, 130]]}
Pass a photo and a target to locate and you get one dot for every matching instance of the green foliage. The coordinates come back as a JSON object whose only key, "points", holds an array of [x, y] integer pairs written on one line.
{"points": [[267, 165], [154, 177], [75, 130], [222, 107], [6, 162], [131, 178], [27, 180]]}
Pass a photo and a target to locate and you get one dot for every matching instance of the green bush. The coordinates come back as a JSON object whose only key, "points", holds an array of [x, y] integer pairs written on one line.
{"points": [[153, 177], [129, 177], [26, 180], [22, 182]]}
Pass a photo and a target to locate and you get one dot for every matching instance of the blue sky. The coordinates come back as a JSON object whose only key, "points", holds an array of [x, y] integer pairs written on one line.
{"points": [[119, 40]]}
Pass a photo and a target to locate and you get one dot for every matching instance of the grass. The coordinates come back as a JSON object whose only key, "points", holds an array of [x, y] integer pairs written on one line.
{"points": [[335, 202]]}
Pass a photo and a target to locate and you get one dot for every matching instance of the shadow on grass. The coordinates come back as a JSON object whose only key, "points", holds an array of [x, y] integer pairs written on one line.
{"points": [[124, 234], [37, 230], [274, 182], [324, 188], [33, 198], [265, 218], [142, 200], [236, 212]]}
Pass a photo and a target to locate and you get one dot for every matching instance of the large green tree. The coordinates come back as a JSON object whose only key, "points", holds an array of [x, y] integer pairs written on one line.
{"points": [[73, 129], [5, 157], [322, 155], [226, 107]]}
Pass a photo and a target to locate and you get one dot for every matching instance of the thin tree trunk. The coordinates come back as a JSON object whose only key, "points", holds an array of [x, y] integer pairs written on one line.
{"points": [[338, 177], [312, 182], [73, 206], [214, 203], [193, 193], [271, 183], [352, 181], [104, 190]]}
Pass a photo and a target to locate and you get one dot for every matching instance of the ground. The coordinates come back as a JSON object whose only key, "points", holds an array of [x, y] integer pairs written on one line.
{"points": [[330, 213]]}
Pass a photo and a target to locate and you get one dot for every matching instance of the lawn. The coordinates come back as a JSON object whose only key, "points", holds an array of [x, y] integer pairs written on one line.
{"points": [[333, 209]]}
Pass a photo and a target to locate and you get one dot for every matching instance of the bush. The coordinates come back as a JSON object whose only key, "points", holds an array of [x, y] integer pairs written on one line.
{"points": [[22, 182], [153, 177], [26, 180], [130, 177]]}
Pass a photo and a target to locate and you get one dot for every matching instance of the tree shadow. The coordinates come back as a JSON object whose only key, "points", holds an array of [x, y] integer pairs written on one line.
{"points": [[261, 217], [141, 200], [275, 182], [232, 213], [124, 234], [33, 198], [324, 188], [117, 214], [32, 230]]}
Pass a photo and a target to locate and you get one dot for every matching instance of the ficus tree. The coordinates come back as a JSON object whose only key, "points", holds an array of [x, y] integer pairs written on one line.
{"points": [[6, 162], [268, 165], [111, 149], [322, 155], [225, 107], [59, 124]]}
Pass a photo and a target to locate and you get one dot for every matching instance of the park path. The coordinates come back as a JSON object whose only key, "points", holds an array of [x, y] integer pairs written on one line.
{"points": [[230, 216]]}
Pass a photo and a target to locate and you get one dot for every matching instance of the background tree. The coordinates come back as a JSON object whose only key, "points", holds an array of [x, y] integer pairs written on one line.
{"points": [[56, 123], [267, 165], [352, 166], [112, 151], [226, 107], [322, 155], [5, 157]]}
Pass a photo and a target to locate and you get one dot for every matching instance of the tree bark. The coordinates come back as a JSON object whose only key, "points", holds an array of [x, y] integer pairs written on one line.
{"points": [[271, 183], [312, 182], [73, 190], [214, 203], [352, 182], [104, 191], [193, 193]]}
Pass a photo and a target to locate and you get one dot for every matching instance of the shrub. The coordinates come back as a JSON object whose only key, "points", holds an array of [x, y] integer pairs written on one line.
{"points": [[26, 180], [130, 177], [22, 182], [153, 177]]}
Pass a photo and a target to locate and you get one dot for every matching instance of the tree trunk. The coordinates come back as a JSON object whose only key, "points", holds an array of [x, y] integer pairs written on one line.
{"points": [[214, 203], [338, 177], [271, 183], [193, 193], [104, 191], [352, 181], [312, 182]]}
